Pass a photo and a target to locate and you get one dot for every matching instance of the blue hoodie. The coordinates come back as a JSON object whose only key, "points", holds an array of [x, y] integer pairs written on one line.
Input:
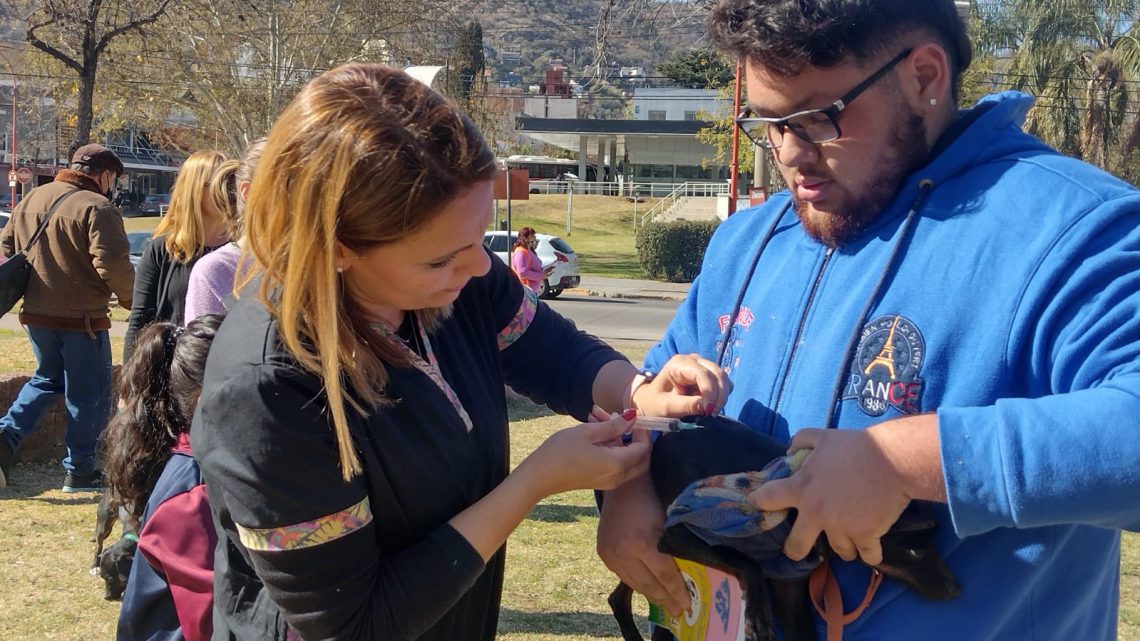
{"points": [[1008, 303]]}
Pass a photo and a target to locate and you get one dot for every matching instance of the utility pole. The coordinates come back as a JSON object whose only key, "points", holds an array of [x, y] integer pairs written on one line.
{"points": [[12, 71], [734, 166]]}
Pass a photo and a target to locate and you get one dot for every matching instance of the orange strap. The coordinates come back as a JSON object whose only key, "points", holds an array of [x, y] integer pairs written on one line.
{"points": [[825, 596]]}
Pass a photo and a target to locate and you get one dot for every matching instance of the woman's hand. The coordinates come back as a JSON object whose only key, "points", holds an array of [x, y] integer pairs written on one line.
{"points": [[588, 456], [687, 384]]}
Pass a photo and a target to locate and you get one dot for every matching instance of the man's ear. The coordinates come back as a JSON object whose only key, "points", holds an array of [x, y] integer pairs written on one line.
{"points": [[927, 81]]}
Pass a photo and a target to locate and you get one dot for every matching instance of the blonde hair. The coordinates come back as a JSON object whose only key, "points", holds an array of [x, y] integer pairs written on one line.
{"points": [[182, 224], [363, 156], [246, 166], [223, 193]]}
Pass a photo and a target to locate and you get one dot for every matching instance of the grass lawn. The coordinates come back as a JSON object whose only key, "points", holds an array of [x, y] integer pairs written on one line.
{"points": [[601, 230]]}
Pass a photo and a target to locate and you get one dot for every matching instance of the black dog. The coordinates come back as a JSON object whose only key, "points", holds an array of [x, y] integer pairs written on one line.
{"points": [[726, 446], [114, 564]]}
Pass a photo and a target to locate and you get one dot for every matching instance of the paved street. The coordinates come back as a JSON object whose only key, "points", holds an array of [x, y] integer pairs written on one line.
{"points": [[617, 318], [608, 318]]}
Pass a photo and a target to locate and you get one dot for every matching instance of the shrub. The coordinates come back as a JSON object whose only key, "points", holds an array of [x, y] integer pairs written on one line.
{"points": [[673, 251]]}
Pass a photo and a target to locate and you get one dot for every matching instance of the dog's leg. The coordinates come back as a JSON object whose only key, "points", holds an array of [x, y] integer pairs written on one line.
{"points": [[104, 522], [758, 622], [621, 603], [792, 605]]}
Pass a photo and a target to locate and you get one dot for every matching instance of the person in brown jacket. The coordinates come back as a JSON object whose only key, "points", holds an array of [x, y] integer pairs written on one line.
{"points": [[81, 259]]}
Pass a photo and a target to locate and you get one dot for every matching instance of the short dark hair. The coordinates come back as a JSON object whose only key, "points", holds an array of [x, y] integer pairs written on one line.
{"points": [[785, 36]]}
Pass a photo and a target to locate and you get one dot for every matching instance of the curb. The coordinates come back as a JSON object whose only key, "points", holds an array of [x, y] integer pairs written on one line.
{"points": [[582, 291]]}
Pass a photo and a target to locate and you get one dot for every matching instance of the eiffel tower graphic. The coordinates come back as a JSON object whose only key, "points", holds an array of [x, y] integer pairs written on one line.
{"points": [[886, 355]]}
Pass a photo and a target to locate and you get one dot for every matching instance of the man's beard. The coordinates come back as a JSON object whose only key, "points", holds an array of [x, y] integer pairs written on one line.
{"points": [[907, 151]]}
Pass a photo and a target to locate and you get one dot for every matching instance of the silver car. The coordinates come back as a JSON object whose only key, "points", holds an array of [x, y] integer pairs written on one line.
{"points": [[551, 250]]}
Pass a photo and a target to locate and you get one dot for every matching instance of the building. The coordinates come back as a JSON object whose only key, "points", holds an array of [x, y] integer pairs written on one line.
{"points": [[658, 146]]}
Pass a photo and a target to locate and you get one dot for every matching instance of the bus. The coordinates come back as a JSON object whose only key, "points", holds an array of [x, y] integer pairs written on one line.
{"points": [[548, 174]]}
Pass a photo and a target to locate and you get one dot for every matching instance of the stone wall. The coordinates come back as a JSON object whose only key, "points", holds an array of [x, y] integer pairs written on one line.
{"points": [[47, 443]]}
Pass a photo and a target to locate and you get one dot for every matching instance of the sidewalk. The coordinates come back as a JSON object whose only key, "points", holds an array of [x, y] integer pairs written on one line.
{"points": [[630, 288]]}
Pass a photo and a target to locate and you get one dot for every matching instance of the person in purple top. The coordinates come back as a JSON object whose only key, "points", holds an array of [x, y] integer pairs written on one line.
{"points": [[212, 279]]}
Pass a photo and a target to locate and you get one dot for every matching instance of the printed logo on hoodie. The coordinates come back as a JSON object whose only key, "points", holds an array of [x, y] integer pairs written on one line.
{"points": [[885, 370]]}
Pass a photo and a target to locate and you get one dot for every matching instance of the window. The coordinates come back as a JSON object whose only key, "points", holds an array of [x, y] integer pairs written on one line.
{"points": [[498, 243], [693, 172], [561, 245], [657, 114], [654, 171], [690, 115]]}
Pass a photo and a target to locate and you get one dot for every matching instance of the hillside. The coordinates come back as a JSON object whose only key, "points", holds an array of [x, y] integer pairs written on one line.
{"points": [[641, 33]]}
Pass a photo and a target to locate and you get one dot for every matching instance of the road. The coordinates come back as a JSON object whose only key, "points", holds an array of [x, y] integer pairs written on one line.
{"points": [[608, 318], [617, 318]]}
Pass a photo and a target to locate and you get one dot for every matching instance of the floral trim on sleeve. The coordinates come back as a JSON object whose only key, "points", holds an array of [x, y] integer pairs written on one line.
{"points": [[310, 533], [522, 320]]}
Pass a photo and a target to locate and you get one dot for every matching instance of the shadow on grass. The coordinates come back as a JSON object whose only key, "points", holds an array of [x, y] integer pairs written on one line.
{"points": [[553, 513], [590, 624], [520, 408], [31, 481]]}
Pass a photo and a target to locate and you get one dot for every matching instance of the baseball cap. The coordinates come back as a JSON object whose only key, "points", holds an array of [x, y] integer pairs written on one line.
{"points": [[97, 156]]}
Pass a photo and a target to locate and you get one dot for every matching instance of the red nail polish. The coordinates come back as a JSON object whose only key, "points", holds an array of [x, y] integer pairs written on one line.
{"points": [[629, 414]]}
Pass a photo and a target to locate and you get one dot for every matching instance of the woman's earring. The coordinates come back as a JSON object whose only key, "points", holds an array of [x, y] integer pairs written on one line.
{"points": [[339, 270], [933, 101]]}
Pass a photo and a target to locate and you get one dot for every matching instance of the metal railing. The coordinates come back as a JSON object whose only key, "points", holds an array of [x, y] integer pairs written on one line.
{"points": [[630, 188], [684, 190]]}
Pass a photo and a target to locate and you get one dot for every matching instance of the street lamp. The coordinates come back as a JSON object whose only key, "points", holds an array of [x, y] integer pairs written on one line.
{"points": [[12, 71]]}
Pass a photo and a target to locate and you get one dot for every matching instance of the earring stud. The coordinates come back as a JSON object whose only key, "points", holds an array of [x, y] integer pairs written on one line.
{"points": [[933, 101]]}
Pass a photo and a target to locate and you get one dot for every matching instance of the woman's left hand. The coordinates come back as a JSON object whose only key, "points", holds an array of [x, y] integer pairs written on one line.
{"points": [[687, 384]]}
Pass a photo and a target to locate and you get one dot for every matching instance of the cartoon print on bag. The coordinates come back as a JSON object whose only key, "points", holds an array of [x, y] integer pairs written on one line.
{"points": [[885, 370]]}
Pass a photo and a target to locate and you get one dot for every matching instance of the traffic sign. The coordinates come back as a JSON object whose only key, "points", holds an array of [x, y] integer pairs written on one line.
{"points": [[24, 175]]}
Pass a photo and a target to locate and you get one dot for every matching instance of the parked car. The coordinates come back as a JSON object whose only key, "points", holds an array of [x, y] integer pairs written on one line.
{"points": [[154, 204], [6, 200], [138, 241], [551, 250]]}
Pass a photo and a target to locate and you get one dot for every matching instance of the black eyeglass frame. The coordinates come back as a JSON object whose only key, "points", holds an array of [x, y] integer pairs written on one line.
{"points": [[746, 121]]}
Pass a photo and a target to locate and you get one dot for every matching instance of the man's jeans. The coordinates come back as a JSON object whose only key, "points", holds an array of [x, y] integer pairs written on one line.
{"points": [[78, 366]]}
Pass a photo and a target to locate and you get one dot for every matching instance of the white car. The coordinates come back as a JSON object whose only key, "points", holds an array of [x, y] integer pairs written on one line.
{"points": [[551, 250]]}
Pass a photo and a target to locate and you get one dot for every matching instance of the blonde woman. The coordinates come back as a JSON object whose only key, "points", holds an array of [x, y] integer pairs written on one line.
{"points": [[212, 279], [194, 225], [352, 427]]}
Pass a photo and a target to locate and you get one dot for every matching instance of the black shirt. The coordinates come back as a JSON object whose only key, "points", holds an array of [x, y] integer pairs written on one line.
{"points": [[374, 558]]}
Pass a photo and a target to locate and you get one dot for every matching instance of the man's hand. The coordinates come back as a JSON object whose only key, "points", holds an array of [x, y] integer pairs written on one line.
{"points": [[687, 384], [855, 483], [630, 526]]}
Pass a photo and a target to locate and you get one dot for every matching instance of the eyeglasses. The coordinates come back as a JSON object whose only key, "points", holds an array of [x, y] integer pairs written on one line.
{"points": [[812, 126]]}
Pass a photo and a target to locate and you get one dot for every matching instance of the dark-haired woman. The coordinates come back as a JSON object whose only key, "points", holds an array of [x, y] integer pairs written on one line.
{"points": [[151, 469], [525, 261]]}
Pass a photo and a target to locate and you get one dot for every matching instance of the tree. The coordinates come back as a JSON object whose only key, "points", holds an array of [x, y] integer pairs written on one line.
{"points": [[223, 83], [78, 32], [467, 62], [698, 69], [1081, 59]]}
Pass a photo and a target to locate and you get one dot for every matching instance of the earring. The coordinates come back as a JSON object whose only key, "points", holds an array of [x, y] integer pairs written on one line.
{"points": [[933, 101], [339, 270]]}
